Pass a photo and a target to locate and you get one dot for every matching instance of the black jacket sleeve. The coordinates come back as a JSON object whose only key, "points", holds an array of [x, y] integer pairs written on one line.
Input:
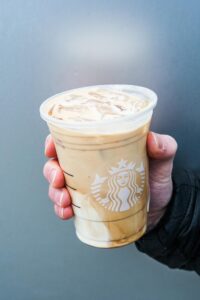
{"points": [[175, 241]]}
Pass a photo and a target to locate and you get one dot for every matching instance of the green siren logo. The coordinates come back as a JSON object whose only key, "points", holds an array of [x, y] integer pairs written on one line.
{"points": [[124, 186]]}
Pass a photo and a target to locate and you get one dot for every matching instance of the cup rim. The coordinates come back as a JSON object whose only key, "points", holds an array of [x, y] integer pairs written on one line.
{"points": [[87, 125]]}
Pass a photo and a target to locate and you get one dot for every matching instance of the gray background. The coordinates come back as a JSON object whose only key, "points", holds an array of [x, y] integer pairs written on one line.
{"points": [[47, 47]]}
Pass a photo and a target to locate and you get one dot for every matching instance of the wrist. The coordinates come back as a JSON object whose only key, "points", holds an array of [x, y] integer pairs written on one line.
{"points": [[175, 240], [154, 218]]}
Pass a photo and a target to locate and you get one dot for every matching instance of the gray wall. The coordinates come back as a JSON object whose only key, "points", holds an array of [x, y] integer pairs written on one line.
{"points": [[47, 47]]}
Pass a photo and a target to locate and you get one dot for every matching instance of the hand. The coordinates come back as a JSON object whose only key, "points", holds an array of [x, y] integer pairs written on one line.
{"points": [[57, 191], [161, 150]]}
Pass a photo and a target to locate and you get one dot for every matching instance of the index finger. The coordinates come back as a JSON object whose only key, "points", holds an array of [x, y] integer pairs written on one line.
{"points": [[50, 150]]}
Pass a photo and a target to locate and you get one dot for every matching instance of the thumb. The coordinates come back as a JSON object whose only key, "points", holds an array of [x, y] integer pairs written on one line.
{"points": [[161, 146], [161, 151]]}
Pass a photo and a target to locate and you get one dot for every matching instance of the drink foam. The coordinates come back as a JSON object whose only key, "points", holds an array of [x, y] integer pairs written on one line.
{"points": [[97, 104]]}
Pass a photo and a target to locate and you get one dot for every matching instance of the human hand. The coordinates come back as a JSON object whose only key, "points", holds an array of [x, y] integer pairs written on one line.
{"points": [[161, 150], [57, 191]]}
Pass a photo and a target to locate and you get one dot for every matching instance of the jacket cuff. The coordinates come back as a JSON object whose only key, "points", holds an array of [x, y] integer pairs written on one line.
{"points": [[175, 241]]}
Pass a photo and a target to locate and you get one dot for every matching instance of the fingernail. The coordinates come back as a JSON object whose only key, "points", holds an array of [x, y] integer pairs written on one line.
{"points": [[62, 212], [158, 142], [47, 141], [155, 140], [61, 199], [52, 176], [161, 146]]}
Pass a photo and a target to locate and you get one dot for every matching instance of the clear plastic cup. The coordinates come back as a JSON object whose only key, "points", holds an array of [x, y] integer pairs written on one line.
{"points": [[105, 166]]}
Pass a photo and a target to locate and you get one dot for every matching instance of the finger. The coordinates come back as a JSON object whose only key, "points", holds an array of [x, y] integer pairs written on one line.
{"points": [[161, 151], [50, 150], [54, 174], [64, 213], [160, 146], [60, 197]]}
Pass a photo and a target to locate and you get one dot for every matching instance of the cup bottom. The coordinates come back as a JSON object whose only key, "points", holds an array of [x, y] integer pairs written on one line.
{"points": [[114, 243]]}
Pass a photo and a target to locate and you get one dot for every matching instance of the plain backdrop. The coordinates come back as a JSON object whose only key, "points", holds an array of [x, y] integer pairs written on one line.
{"points": [[47, 47]]}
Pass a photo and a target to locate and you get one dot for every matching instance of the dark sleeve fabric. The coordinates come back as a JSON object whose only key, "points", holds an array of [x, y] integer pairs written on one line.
{"points": [[175, 241]]}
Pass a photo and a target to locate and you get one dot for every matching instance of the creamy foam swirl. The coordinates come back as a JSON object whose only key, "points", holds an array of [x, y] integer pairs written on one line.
{"points": [[96, 104]]}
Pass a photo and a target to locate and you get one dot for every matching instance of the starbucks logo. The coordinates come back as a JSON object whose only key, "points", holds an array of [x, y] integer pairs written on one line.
{"points": [[124, 185]]}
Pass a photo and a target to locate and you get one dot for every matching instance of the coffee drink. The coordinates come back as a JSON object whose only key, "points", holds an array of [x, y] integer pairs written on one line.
{"points": [[100, 138]]}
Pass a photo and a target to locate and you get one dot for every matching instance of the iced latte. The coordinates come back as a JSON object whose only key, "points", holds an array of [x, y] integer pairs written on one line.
{"points": [[100, 137]]}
